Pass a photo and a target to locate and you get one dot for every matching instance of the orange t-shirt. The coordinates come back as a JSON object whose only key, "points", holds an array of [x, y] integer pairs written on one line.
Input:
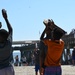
{"points": [[54, 52]]}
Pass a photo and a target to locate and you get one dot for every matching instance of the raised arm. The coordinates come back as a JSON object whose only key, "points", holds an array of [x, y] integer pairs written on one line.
{"points": [[4, 14], [43, 34]]}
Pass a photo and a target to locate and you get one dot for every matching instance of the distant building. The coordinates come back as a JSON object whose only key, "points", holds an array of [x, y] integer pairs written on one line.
{"points": [[69, 39]]}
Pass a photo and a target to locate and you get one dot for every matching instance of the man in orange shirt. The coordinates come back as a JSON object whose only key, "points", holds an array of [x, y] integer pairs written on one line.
{"points": [[50, 52]]}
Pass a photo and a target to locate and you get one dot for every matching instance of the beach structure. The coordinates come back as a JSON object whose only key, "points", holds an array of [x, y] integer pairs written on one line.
{"points": [[27, 46]]}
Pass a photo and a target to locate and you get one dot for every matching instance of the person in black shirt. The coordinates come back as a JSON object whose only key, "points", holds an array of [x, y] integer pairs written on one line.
{"points": [[73, 56], [6, 67], [37, 61]]}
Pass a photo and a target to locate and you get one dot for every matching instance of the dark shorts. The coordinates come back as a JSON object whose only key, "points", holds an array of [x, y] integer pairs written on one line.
{"points": [[53, 71], [24, 62], [37, 67], [73, 58]]}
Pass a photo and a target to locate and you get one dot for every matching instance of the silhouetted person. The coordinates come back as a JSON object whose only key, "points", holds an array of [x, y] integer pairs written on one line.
{"points": [[24, 60], [6, 67], [16, 60], [73, 56], [37, 61], [51, 49]]}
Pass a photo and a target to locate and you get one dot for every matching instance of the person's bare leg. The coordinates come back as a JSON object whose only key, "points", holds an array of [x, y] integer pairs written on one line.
{"points": [[39, 72], [36, 73], [73, 62]]}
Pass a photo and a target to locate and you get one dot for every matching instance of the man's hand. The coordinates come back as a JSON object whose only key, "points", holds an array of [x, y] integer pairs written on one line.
{"points": [[42, 71], [4, 13]]}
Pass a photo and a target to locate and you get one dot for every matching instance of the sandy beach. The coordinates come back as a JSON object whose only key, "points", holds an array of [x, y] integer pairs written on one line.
{"points": [[29, 70]]}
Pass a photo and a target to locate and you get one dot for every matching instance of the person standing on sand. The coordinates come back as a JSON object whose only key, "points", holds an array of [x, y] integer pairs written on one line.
{"points": [[73, 56], [51, 50], [36, 60], [6, 67]]}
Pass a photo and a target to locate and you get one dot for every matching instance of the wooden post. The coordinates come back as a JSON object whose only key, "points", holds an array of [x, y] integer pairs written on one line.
{"points": [[67, 53]]}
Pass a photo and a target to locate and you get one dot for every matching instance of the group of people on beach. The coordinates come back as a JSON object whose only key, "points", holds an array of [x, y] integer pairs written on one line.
{"points": [[49, 53]]}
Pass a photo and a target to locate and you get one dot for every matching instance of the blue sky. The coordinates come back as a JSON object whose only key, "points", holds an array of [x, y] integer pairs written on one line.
{"points": [[26, 16]]}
